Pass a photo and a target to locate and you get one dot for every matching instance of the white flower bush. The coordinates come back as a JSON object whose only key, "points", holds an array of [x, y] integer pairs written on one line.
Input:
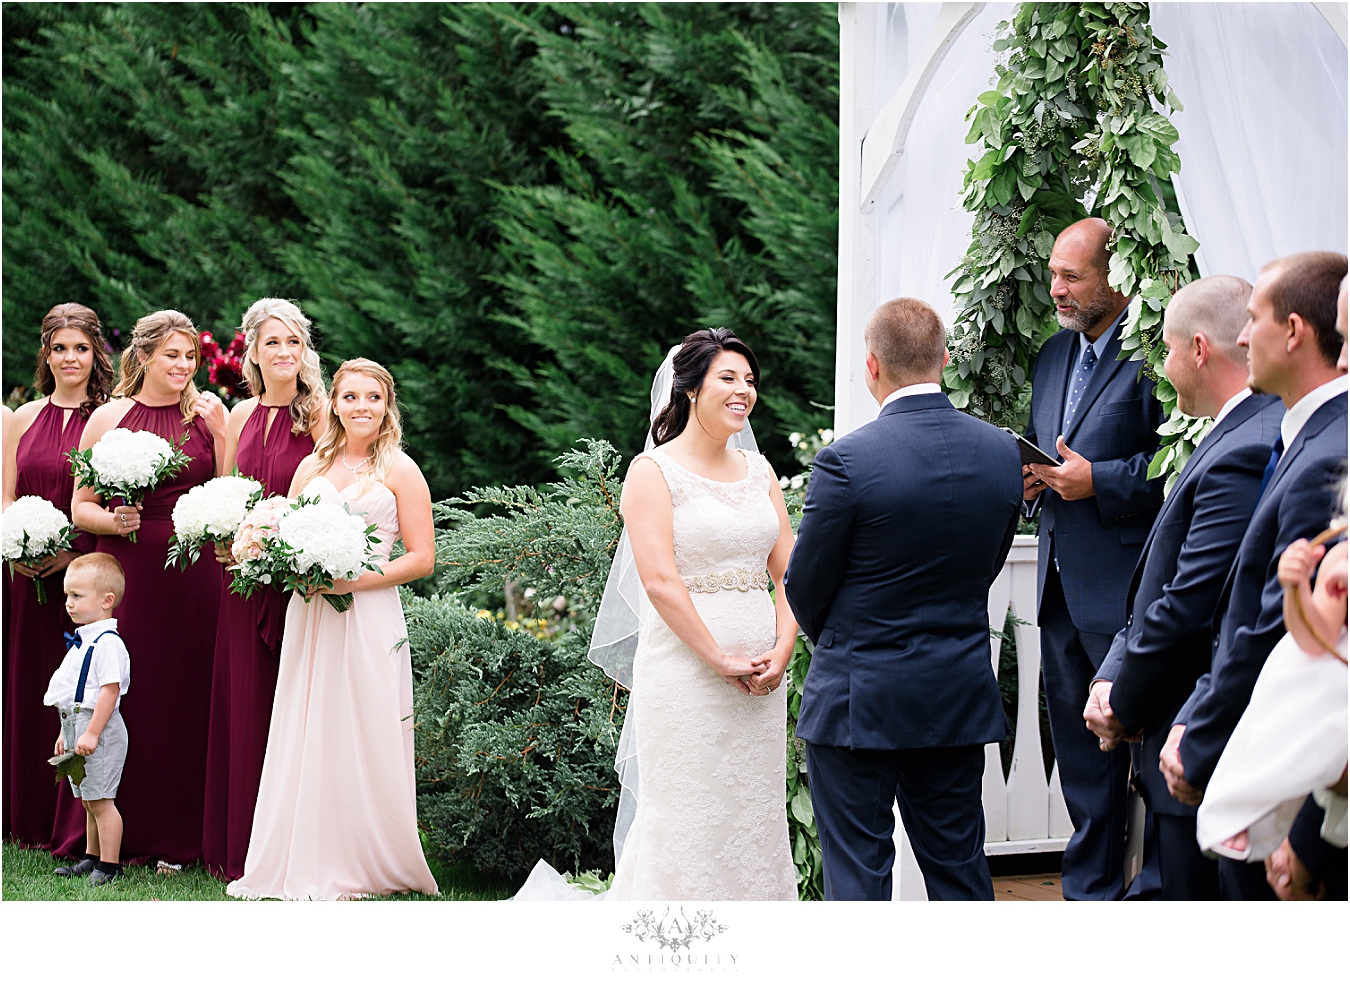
{"points": [[34, 529], [805, 447], [210, 513]]}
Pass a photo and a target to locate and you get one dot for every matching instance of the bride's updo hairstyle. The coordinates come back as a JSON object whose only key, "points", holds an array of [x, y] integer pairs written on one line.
{"points": [[690, 367]]}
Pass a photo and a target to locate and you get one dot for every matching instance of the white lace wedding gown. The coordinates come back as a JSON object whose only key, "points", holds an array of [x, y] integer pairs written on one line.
{"points": [[711, 820]]}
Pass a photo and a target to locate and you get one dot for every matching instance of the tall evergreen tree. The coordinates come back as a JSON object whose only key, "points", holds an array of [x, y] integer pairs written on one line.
{"points": [[516, 207], [698, 189]]}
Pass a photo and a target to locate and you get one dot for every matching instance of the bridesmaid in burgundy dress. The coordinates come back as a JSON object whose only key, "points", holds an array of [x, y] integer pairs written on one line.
{"points": [[268, 435], [75, 375], [168, 617]]}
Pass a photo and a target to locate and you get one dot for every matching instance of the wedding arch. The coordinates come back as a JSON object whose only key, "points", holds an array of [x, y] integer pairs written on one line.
{"points": [[1223, 144]]}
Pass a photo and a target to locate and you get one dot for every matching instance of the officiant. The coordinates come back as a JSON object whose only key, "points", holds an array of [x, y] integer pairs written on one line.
{"points": [[1098, 416]]}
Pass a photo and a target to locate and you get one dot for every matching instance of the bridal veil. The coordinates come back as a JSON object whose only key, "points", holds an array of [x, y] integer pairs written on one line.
{"points": [[615, 636]]}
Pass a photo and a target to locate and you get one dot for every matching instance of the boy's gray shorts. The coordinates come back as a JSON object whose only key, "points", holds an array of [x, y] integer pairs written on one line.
{"points": [[103, 768]]}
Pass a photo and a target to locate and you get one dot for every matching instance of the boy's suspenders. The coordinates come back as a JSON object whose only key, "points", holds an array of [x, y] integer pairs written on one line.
{"points": [[84, 666]]}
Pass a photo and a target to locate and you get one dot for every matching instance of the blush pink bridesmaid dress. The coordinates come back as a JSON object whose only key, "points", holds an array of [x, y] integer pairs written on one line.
{"points": [[337, 808]]}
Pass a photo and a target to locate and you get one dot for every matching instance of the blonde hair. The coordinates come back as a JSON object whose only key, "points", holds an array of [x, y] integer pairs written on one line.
{"points": [[384, 451], [103, 571], [308, 405], [147, 338]]}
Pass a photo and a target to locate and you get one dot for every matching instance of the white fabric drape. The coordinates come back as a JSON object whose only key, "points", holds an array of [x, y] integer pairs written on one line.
{"points": [[922, 229], [1263, 132], [1263, 138]]}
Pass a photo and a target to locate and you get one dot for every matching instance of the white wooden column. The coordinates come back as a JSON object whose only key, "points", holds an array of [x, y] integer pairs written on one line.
{"points": [[858, 27]]}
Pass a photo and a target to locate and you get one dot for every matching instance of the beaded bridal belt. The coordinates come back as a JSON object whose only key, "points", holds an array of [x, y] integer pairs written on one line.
{"points": [[711, 583]]}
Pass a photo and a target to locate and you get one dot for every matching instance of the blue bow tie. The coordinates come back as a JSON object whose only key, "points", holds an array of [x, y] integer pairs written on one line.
{"points": [[71, 640]]}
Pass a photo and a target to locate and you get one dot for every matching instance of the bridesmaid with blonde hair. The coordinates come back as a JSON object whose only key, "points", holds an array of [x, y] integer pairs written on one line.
{"points": [[75, 376], [168, 617], [337, 811], [267, 437]]}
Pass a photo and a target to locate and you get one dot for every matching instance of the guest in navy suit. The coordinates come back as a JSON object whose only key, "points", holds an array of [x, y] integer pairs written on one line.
{"points": [[1292, 348], [1305, 866], [1099, 415], [1165, 645], [907, 522]]}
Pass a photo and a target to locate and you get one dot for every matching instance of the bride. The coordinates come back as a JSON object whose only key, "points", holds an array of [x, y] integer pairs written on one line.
{"points": [[687, 625], [707, 714]]}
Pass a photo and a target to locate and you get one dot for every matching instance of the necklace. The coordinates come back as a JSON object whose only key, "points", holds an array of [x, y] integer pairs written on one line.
{"points": [[356, 468]]}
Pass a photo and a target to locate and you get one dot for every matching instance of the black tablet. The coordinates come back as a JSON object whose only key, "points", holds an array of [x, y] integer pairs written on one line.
{"points": [[1031, 454]]}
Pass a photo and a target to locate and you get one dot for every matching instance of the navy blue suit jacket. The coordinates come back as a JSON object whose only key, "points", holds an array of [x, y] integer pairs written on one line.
{"points": [[1298, 504], [907, 522], [1165, 644], [1096, 540]]}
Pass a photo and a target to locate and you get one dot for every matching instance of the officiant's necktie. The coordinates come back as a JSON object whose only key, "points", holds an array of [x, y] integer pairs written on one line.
{"points": [[1271, 465], [1081, 376]]}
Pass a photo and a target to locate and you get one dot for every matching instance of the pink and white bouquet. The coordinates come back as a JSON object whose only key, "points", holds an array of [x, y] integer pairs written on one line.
{"points": [[210, 513], [127, 464], [302, 545], [34, 529]]}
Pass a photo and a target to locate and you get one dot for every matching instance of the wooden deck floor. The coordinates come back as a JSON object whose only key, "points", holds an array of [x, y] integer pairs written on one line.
{"points": [[1028, 887]]}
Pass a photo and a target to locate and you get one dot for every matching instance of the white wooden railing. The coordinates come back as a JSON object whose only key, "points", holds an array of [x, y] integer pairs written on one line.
{"points": [[1024, 813]]}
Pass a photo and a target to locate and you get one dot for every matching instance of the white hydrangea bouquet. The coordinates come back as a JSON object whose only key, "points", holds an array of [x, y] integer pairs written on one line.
{"points": [[34, 529], [127, 464], [302, 546], [210, 513]]}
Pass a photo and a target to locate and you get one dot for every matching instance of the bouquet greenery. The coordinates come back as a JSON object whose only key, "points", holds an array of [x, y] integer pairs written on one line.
{"points": [[127, 464], [302, 545], [34, 529], [210, 513]]}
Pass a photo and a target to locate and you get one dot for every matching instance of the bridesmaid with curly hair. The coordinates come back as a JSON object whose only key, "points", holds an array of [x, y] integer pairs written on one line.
{"points": [[168, 618], [337, 803], [75, 376], [268, 435]]}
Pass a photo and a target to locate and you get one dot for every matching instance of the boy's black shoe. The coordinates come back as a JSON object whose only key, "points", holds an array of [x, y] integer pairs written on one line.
{"points": [[105, 872], [81, 869]]}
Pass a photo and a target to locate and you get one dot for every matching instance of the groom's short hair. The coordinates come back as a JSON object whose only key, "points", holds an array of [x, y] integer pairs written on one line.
{"points": [[907, 338]]}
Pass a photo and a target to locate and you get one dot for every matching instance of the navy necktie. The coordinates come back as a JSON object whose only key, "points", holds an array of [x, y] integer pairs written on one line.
{"points": [[71, 640], [1081, 376], [1271, 465]]}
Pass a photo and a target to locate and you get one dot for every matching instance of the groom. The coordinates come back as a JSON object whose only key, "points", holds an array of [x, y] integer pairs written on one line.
{"points": [[907, 522]]}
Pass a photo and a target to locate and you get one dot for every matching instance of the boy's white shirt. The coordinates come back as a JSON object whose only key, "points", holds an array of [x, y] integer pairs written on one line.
{"points": [[111, 663]]}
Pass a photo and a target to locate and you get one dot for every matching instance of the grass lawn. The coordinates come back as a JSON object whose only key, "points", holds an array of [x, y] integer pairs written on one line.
{"points": [[26, 875]]}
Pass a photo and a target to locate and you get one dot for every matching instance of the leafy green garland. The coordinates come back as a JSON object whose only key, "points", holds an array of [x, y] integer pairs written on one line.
{"points": [[1073, 111]]}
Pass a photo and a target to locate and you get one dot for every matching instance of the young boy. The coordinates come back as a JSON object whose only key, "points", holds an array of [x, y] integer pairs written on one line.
{"points": [[87, 691]]}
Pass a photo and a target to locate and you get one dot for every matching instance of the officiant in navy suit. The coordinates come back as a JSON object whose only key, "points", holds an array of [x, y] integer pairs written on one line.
{"points": [[907, 522], [1099, 416], [1165, 645]]}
